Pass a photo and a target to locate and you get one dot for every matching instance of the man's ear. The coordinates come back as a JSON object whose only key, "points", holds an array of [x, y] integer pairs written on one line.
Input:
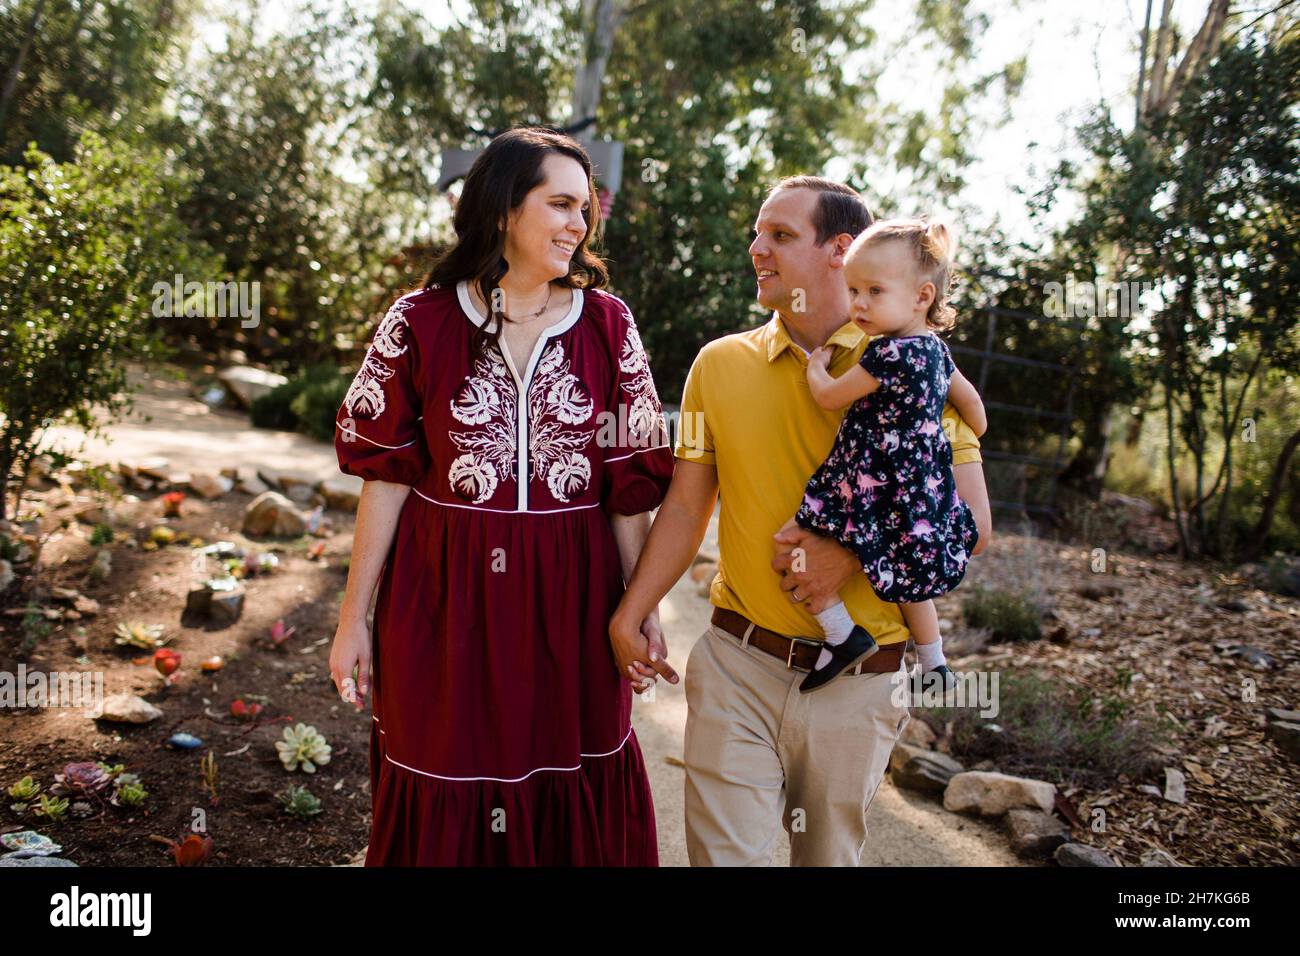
{"points": [[840, 249]]}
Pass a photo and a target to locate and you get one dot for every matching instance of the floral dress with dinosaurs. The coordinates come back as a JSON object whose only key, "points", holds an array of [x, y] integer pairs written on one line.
{"points": [[886, 490]]}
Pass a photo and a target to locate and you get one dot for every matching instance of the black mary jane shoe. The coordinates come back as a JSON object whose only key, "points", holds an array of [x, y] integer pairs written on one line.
{"points": [[858, 646], [940, 679]]}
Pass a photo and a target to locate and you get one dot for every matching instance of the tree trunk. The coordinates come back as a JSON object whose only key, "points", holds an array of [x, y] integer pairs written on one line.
{"points": [[11, 81], [1272, 499]]}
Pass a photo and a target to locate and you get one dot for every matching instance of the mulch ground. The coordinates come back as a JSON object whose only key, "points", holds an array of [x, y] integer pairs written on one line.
{"points": [[245, 819]]}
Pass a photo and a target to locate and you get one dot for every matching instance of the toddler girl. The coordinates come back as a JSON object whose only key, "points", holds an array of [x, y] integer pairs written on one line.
{"points": [[886, 491]]}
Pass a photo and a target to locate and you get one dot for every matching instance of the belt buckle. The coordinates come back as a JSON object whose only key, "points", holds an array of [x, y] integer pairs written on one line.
{"points": [[789, 656]]}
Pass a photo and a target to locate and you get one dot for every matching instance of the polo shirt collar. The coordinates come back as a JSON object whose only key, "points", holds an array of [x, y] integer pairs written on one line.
{"points": [[778, 339]]}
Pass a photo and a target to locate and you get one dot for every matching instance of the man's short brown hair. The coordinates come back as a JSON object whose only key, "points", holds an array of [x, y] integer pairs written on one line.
{"points": [[840, 208]]}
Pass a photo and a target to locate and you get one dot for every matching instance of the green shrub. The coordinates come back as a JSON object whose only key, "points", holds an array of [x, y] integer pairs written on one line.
{"points": [[1009, 615], [299, 404], [1058, 733], [317, 406]]}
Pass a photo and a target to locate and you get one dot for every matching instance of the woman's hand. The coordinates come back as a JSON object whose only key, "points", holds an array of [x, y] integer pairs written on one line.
{"points": [[351, 649], [640, 651]]}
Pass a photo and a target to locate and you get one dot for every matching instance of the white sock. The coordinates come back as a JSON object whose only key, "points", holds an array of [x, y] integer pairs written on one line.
{"points": [[837, 624], [930, 656]]}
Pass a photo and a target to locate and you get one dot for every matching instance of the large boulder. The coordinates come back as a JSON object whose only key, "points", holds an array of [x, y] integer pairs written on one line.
{"points": [[271, 513], [248, 384], [992, 794]]}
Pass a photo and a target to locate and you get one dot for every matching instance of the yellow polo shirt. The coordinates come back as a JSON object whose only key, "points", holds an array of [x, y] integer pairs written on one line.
{"points": [[747, 410]]}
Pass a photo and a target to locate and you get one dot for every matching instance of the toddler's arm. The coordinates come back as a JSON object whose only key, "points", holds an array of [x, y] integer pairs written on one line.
{"points": [[967, 401], [832, 393]]}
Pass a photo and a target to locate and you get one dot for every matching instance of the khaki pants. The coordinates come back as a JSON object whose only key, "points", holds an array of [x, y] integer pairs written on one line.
{"points": [[757, 750]]}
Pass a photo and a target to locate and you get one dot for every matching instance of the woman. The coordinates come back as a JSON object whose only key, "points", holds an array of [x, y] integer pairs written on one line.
{"points": [[512, 443]]}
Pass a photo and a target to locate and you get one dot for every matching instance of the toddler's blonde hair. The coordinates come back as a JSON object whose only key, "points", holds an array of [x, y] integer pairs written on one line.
{"points": [[932, 248]]}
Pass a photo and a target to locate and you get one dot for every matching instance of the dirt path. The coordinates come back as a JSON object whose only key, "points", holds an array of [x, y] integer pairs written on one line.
{"points": [[904, 829]]}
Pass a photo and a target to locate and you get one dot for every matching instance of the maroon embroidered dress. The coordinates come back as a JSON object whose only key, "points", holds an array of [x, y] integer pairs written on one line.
{"points": [[502, 731]]}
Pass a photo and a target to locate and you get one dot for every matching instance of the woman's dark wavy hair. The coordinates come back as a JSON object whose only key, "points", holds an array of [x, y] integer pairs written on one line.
{"points": [[496, 185]]}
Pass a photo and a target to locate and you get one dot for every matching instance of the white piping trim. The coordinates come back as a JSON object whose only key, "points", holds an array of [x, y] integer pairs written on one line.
{"points": [[438, 776], [349, 431], [498, 511], [637, 452]]}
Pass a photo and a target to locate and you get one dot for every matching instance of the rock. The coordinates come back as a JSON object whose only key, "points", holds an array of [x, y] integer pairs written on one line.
{"points": [[208, 485], [184, 741], [343, 492], [1098, 590], [1156, 857], [271, 513], [35, 861], [918, 734], [127, 709], [925, 770], [227, 606], [1175, 785], [1287, 737], [1252, 655], [1080, 854], [1286, 716], [703, 572], [1034, 834], [248, 384], [28, 843], [159, 469], [246, 480], [219, 600], [993, 794], [302, 494], [1151, 790]]}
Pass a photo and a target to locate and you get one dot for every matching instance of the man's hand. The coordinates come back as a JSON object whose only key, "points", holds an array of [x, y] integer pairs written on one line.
{"points": [[812, 568], [640, 652]]}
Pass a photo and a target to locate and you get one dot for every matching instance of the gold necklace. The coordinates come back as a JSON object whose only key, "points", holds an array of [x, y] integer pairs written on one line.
{"points": [[532, 316]]}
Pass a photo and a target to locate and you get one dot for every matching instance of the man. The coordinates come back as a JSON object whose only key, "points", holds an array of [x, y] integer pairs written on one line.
{"points": [[756, 749]]}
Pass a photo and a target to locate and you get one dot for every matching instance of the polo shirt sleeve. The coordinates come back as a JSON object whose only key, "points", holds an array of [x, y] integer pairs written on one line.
{"points": [[694, 436], [965, 446]]}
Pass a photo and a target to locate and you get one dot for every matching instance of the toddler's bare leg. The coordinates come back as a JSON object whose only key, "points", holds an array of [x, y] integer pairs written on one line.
{"points": [[923, 621]]}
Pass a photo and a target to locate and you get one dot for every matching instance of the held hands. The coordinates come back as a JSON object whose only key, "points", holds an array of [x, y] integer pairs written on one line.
{"points": [[640, 651], [812, 568]]}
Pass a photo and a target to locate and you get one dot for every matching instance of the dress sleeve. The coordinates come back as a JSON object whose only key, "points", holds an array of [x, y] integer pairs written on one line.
{"points": [[883, 359], [638, 458], [378, 435]]}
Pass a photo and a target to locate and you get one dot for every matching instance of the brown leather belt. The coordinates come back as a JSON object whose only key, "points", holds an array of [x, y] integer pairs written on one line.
{"points": [[801, 652]]}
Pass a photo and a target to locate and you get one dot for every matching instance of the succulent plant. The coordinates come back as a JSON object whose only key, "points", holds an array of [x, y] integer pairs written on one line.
{"points": [[114, 769], [137, 634], [172, 503], [166, 661], [52, 809], [130, 794], [81, 808], [25, 789], [84, 777], [162, 535], [194, 850], [300, 802], [303, 746]]}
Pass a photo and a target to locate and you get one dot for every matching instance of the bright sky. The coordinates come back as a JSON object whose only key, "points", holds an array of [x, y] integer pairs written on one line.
{"points": [[1078, 54]]}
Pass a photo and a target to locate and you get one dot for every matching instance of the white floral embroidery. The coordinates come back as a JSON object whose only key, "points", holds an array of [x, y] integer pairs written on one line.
{"points": [[488, 400], [644, 411], [365, 397]]}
